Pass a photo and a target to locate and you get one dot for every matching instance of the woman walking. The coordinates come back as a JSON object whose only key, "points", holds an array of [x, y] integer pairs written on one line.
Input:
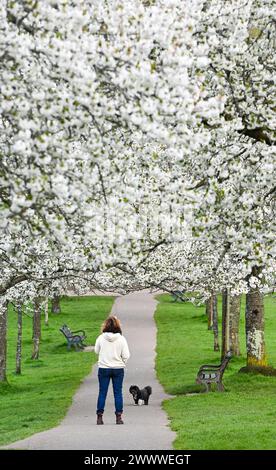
{"points": [[112, 348]]}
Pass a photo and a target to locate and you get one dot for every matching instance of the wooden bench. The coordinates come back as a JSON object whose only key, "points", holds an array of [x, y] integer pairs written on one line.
{"points": [[178, 295], [73, 339], [209, 374]]}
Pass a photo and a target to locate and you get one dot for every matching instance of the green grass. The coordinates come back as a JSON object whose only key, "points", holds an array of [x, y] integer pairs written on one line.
{"points": [[39, 398], [241, 418]]}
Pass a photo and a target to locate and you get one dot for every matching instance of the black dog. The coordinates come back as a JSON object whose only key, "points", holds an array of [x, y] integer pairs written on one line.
{"points": [[142, 394]]}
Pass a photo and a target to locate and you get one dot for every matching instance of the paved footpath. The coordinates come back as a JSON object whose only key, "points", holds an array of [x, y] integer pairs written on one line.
{"points": [[146, 427]]}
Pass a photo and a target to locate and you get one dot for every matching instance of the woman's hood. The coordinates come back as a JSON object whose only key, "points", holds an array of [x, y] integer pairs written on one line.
{"points": [[111, 336]]}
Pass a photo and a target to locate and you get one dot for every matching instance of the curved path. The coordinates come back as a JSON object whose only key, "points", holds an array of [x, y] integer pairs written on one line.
{"points": [[146, 427]]}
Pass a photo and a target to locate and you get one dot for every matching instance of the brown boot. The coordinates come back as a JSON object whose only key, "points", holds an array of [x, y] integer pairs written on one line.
{"points": [[100, 418], [119, 418]]}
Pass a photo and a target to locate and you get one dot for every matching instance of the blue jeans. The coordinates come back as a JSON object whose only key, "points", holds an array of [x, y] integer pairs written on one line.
{"points": [[104, 376]]}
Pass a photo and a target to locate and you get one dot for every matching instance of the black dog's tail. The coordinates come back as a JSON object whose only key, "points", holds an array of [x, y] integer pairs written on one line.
{"points": [[149, 389]]}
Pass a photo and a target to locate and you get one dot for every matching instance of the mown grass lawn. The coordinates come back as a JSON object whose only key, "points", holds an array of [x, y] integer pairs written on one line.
{"points": [[39, 398], [244, 417]]}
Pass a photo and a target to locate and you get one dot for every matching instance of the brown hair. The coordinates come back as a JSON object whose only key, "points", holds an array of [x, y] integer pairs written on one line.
{"points": [[111, 325]]}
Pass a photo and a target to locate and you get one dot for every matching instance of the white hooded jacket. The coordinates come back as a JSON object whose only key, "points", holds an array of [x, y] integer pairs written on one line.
{"points": [[112, 349]]}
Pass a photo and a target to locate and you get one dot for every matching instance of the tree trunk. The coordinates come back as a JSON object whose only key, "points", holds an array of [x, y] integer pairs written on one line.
{"points": [[209, 313], [36, 329], [56, 304], [225, 346], [46, 311], [214, 300], [3, 340], [234, 323], [19, 340], [254, 328]]}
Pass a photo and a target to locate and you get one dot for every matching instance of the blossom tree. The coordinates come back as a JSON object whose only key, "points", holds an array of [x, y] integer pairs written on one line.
{"points": [[231, 184], [138, 138], [81, 83], [84, 84]]}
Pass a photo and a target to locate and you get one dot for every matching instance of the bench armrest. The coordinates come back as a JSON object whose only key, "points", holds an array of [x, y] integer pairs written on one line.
{"points": [[78, 331], [206, 366]]}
